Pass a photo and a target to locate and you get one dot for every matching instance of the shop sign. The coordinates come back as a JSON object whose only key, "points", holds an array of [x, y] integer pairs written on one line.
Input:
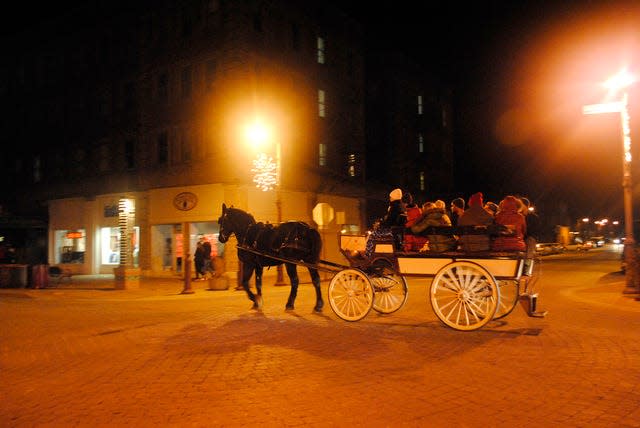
{"points": [[111, 210]]}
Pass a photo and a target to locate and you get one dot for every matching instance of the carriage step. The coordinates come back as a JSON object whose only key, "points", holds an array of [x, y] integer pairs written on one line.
{"points": [[530, 304]]}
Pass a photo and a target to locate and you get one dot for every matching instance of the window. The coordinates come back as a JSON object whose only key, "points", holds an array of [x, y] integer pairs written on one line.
{"points": [[351, 165], [420, 106], [163, 148], [420, 143], [322, 151], [320, 45], [69, 246], [186, 82], [422, 181], [321, 103], [110, 245]]}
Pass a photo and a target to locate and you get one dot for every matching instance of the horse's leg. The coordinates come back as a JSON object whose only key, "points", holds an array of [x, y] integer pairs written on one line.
{"points": [[292, 272], [247, 271], [315, 279], [258, 300]]}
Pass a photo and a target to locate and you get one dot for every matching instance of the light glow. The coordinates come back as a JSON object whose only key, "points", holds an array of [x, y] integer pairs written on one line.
{"points": [[621, 80]]}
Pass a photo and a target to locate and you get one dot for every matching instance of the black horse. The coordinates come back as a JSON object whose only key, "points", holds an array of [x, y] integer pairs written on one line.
{"points": [[292, 240]]}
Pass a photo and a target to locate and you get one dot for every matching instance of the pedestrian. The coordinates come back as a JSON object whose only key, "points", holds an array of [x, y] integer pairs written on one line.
{"points": [[206, 254], [198, 259]]}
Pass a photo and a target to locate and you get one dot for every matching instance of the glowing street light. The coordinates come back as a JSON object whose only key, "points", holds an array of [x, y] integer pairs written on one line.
{"points": [[266, 172], [618, 82]]}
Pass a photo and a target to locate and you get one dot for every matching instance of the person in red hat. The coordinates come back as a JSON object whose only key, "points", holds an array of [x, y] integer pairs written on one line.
{"points": [[476, 215]]}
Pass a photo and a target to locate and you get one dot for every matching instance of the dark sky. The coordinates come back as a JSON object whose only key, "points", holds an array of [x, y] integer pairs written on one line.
{"points": [[521, 72]]}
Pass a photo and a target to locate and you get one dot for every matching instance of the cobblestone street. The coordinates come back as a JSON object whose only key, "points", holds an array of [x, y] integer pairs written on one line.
{"points": [[86, 355]]}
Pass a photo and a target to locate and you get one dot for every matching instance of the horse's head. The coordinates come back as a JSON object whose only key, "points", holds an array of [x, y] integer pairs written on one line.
{"points": [[233, 221], [224, 224]]}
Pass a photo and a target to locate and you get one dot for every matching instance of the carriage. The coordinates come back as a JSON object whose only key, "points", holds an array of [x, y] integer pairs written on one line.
{"points": [[468, 289]]}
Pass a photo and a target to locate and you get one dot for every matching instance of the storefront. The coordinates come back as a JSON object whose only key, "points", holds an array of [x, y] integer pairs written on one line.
{"points": [[84, 234]]}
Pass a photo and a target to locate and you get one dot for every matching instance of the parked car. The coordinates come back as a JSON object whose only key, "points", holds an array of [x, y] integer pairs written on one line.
{"points": [[546, 248]]}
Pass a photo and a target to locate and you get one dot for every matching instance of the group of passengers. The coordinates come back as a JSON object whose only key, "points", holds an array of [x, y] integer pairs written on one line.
{"points": [[514, 225]]}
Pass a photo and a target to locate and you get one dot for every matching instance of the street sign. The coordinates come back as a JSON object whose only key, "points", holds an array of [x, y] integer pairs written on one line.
{"points": [[323, 214]]}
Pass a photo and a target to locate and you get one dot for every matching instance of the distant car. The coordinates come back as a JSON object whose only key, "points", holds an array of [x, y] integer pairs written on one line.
{"points": [[546, 248], [579, 246]]}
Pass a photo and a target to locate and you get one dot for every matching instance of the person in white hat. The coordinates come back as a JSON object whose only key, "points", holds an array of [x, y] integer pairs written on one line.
{"points": [[396, 213], [396, 217]]}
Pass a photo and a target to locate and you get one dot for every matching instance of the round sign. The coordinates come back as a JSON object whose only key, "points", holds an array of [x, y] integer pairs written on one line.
{"points": [[185, 201]]}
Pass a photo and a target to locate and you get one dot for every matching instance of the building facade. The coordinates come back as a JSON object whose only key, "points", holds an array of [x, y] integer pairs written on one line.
{"points": [[152, 102]]}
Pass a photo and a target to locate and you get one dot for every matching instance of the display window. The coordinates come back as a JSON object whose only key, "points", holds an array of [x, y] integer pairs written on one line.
{"points": [[69, 246], [110, 245]]}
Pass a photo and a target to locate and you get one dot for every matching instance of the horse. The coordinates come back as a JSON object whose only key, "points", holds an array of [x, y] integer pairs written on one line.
{"points": [[292, 240]]}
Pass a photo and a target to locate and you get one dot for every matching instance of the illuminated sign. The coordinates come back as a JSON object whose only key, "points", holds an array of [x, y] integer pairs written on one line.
{"points": [[74, 235]]}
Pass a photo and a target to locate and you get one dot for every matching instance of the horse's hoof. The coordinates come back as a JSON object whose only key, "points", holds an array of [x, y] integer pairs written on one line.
{"points": [[258, 302], [289, 308], [317, 309], [255, 306]]}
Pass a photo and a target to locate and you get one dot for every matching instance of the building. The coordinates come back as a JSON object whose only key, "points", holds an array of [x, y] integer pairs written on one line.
{"points": [[148, 104]]}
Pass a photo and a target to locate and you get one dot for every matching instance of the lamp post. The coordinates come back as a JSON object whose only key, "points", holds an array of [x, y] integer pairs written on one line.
{"points": [[620, 81], [267, 176]]}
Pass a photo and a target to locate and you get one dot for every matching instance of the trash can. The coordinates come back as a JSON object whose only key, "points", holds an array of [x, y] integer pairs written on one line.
{"points": [[39, 276], [13, 276]]}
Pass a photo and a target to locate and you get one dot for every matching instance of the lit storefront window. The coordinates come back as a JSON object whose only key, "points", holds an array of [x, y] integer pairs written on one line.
{"points": [[69, 246], [110, 245]]}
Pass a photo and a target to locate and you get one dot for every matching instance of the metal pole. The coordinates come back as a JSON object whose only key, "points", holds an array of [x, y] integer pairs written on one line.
{"points": [[631, 283], [280, 275]]}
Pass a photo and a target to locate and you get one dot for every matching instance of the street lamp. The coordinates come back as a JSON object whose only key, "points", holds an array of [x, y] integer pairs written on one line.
{"points": [[267, 175], [621, 81]]}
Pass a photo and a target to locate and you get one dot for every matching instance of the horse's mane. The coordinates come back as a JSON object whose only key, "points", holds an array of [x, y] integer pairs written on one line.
{"points": [[245, 215]]}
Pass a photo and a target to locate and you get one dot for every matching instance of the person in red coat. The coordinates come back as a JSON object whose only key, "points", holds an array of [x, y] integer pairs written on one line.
{"points": [[509, 216]]}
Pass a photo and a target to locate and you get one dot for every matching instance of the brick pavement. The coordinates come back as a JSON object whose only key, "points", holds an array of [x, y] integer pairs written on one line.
{"points": [[86, 355]]}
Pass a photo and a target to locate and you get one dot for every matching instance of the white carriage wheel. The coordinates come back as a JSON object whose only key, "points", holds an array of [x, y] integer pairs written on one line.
{"points": [[508, 297], [390, 287], [351, 294], [464, 295]]}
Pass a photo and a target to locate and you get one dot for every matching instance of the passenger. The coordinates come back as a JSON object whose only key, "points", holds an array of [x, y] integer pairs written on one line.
{"points": [[457, 208], [395, 218], [510, 217], [532, 234], [412, 242], [476, 215], [491, 207], [413, 210], [434, 214]]}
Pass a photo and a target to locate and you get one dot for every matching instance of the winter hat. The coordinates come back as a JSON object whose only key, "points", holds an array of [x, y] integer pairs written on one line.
{"points": [[476, 199], [458, 202], [395, 195]]}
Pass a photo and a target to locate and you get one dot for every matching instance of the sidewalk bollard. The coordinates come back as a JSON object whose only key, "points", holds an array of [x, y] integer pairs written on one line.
{"points": [[187, 277]]}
